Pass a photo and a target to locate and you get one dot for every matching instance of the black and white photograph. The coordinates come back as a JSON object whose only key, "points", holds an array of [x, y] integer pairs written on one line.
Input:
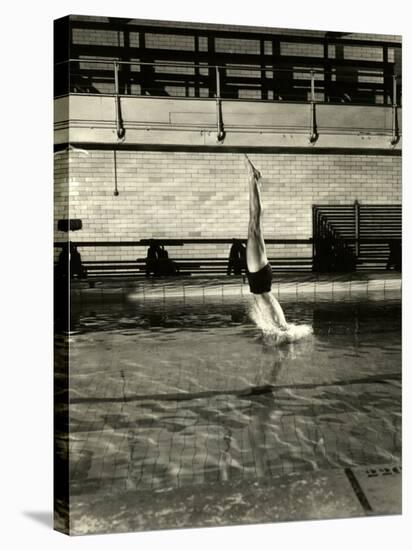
{"points": [[205, 275], [228, 242]]}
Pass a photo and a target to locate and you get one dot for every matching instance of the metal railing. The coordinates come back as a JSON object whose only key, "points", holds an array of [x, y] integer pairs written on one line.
{"points": [[340, 84]]}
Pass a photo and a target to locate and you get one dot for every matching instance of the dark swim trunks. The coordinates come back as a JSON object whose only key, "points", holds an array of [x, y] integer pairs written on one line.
{"points": [[260, 281]]}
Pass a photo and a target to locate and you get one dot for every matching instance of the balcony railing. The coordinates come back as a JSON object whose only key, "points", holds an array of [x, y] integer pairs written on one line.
{"points": [[230, 81]]}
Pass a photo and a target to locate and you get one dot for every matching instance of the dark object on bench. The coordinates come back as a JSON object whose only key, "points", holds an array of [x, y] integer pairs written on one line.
{"points": [[72, 225], [69, 263], [333, 256], [395, 255], [61, 269], [237, 258], [77, 268], [158, 262]]}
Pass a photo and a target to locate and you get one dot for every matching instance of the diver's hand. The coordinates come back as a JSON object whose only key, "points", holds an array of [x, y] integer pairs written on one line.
{"points": [[253, 172]]}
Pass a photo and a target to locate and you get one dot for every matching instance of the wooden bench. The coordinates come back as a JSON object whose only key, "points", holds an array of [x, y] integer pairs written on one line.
{"points": [[127, 268], [187, 266], [365, 229], [204, 265]]}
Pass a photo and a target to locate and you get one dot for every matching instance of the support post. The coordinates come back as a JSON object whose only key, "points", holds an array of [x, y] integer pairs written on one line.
{"points": [[119, 122], [313, 128], [219, 120], [395, 129]]}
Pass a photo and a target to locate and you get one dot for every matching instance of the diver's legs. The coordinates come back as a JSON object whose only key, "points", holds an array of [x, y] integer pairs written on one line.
{"points": [[255, 249]]}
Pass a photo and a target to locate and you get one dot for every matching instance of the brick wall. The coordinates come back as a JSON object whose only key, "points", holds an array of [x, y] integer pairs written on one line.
{"points": [[204, 195], [61, 194]]}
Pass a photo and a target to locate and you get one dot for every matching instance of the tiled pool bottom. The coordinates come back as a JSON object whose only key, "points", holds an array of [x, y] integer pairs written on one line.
{"points": [[156, 444], [173, 395]]}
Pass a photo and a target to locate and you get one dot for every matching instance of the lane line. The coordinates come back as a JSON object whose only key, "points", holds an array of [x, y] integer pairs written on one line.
{"points": [[358, 490]]}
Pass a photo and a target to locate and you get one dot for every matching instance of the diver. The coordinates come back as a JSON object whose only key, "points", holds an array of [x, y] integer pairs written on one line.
{"points": [[268, 313]]}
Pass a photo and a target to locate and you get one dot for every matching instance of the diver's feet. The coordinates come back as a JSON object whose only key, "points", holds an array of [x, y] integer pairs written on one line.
{"points": [[253, 172]]}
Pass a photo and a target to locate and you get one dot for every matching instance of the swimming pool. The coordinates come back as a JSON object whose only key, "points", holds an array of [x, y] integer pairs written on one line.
{"points": [[171, 394]]}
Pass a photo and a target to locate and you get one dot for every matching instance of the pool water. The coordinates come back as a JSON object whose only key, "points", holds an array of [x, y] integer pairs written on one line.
{"points": [[165, 394]]}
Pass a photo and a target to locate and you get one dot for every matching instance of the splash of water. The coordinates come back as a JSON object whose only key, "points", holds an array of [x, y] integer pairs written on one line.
{"points": [[273, 333]]}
